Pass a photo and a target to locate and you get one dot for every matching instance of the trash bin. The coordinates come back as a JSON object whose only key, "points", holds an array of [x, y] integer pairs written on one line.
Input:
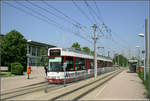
{"points": [[140, 69]]}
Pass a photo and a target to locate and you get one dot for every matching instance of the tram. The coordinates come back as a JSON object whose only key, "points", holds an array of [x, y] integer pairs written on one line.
{"points": [[78, 64]]}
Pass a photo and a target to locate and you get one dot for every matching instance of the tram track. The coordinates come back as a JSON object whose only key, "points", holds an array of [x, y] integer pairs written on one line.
{"points": [[28, 89], [81, 91], [52, 87], [92, 89], [21, 88]]}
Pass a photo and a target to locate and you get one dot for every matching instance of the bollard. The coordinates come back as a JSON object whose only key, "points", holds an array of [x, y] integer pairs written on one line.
{"points": [[28, 71]]}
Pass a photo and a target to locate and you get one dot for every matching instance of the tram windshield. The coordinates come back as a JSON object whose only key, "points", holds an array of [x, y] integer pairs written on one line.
{"points": [[55, 64]]}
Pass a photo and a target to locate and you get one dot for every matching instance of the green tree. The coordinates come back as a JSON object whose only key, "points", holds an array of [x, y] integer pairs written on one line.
{"points": [[86, 49], [123, 61], [76, 45], [13, 48], [92, 52], [133, 58], [43, 56]]}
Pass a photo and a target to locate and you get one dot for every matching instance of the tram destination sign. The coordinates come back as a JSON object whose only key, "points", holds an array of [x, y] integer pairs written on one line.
{"points": [[55, 52]]}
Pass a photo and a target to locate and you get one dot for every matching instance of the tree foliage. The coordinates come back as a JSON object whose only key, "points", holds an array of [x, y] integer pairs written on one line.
{"points": [[133, 58], [123, 61], [76, 45], [43, 56], [86, 49], [13, 48], [92, 52]]}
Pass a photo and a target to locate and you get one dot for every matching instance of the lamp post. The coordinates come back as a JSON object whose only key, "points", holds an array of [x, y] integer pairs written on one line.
{"points": [[143, 52], [138, 47], [28, 56]]}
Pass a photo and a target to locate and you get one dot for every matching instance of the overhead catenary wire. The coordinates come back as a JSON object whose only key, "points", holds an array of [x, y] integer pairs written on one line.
{"points": [[47, 20], [77, 34], [98, 17], [50, 6], [78, 24], [90, 11], [82, 12], [121, 39], [21, 4], [48, 11], [31, 14], [98, 11]]}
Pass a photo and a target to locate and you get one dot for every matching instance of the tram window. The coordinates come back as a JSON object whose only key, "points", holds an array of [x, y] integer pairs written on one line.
{"points": [[99, 65], [86, 64], [80, 64], [105, 64], [108, 64], [101, 62], [91, 64], [77, 64], [69, 61], [55, 63]]}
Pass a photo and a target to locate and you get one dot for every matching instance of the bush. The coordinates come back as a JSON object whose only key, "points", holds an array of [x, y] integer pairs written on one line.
{"points": [[16, 68], [145, 82]]}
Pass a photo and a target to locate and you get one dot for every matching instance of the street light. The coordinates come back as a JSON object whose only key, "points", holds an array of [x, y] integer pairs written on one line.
{"points": [[142, 35], [137, 46], [138, 55]]}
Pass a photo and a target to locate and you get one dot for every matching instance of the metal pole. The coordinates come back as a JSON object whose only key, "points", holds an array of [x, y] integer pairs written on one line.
{"points": [[64, 67], [115, 59], [118, 59], [64, 78], [95, 54], [146, 45], [138, 57], [144, 67], [28, 57], [108, 53], [147, 54], [0, 51]]}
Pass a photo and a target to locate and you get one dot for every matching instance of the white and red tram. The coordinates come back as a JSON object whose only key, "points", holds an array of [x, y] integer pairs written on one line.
{"points": [[79, 64]]}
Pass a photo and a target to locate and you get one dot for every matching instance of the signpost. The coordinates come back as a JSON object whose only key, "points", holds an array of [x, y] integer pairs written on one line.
{"points": [[64, 68], [28, 60]]}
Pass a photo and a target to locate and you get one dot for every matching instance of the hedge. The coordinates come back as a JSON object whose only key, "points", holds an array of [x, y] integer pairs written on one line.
{"points": [[16, 68]]}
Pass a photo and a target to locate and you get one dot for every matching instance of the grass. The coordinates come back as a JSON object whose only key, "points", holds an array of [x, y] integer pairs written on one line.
{"points": [[6, 74], [145, 82]]}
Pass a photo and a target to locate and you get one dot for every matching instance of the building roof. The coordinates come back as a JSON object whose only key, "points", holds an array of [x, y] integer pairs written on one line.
{"points": [[39, 43], [133, 60]]}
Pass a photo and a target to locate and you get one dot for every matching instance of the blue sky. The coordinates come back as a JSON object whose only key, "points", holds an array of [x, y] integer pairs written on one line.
{"points": [[125, 19]]}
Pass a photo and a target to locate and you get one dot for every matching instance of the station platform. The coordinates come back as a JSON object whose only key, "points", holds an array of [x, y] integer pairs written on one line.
{"points": [[125, 86], [37, 76]]}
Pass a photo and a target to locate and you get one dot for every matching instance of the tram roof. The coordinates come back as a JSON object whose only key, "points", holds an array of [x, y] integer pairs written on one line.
{"points": [[78, 53]]}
